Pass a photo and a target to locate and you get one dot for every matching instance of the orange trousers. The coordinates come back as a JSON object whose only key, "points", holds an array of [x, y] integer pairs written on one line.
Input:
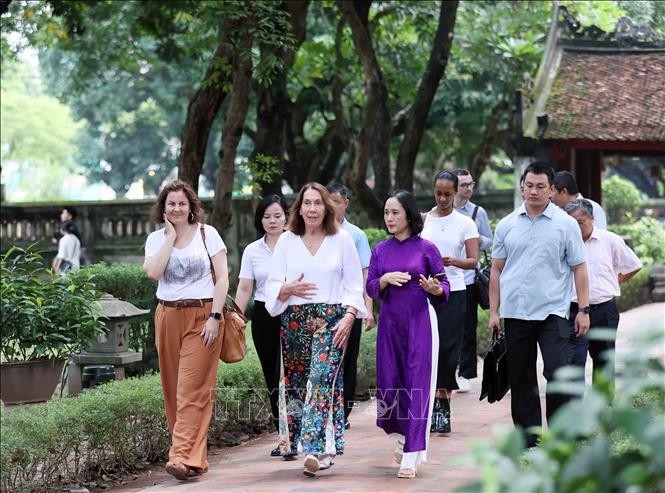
{"points": [[188, 371]]}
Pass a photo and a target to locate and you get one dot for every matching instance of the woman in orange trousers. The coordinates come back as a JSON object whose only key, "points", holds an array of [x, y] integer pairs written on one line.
{"points": [[181, 257]]}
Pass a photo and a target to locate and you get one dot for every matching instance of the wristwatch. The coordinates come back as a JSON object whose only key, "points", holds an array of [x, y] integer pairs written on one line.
{"points": [[584, 309], [215, 315]]}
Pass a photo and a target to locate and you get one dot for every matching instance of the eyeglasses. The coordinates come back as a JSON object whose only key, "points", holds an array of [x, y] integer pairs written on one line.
{"points": [[471, 184]]}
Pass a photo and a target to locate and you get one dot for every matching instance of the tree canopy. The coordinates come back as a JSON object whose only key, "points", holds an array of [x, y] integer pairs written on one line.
{"points": [[377, 94]]}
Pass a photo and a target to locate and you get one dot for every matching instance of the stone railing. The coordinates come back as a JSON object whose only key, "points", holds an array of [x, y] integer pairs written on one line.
{"points": [[110, 231]]}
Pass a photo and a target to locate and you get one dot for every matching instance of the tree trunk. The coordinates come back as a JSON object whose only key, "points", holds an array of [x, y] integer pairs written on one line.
{"points": [[417, 120], [231, 134], [372, 144], [201, 114], [273, 107], [478, 158]]}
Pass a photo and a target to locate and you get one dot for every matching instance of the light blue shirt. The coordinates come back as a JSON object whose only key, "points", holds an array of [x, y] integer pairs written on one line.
{"points": [[536, 280], [360, 241], [484, 229]]}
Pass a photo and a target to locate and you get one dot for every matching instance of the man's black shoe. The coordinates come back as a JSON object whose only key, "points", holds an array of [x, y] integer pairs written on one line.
{"points": [[275, 452]]}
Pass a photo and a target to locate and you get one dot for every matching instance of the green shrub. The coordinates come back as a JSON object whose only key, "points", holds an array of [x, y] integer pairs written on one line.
{"points": [[593, 444], [646, 238], [635, 291], [42, 315], [129, 282], [116, 428], [375, 235], [621, 198]]}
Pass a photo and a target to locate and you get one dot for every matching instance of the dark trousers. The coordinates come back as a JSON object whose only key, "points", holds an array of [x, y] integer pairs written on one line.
{"points": [[450, 323], [468, 358], [265, 333], [351, 366], [522, 340], [606, 316]]}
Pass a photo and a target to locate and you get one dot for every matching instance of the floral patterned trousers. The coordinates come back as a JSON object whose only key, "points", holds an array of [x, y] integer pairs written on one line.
{"points": [[311, 409]]}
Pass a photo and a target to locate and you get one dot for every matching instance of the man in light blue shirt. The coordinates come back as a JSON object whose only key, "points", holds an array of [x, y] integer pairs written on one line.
{"points": [[340, 198], [468, 359], [537, 251]]}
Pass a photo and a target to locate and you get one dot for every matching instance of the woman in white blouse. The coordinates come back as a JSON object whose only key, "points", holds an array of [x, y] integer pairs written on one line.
{"points": [[456, 236], [316, 284], [269, 221]]}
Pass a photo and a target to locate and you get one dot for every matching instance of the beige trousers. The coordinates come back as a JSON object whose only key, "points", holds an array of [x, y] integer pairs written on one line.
{"points": [[188, 371]]}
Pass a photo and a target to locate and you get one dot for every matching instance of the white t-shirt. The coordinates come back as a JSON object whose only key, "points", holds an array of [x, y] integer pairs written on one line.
{"points": [[255, 266], [69, 249], [449, 233], [335, 269], [187, 274]]}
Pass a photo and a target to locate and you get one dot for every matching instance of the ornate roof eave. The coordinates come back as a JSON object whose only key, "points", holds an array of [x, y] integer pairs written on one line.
{"points": [[566, 33]]}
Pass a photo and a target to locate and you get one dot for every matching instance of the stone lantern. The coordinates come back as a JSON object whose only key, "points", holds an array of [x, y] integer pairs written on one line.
{"points": [[111, 347]]}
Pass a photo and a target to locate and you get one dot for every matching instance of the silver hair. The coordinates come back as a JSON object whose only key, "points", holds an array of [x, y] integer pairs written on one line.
{"points": [[582, 204]]}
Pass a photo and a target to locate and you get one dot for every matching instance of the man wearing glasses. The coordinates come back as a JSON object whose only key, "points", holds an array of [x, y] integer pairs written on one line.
{"points": [[468, 359]]}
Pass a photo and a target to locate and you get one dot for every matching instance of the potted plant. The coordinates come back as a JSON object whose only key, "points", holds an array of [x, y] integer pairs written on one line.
{"points": [[44, 318]]}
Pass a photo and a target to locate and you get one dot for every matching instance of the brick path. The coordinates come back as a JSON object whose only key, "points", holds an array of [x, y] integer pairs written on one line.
{"points": [[367, 465]]}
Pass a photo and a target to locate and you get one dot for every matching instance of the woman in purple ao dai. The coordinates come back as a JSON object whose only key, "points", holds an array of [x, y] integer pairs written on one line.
{"points": [[406, 273]]}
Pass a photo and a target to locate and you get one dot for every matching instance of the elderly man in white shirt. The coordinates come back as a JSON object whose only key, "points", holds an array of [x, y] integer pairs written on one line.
{"points": [[609, 263]]}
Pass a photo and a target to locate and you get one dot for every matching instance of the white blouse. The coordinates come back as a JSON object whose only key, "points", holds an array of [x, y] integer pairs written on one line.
{"points": [[255, 266], [335, 269]]}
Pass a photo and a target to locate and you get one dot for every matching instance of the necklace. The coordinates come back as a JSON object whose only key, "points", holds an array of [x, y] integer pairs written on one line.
{"points": [[313, 243]]}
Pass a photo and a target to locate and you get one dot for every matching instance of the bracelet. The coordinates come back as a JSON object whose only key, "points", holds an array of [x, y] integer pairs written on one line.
{"points": [[350, 313]]}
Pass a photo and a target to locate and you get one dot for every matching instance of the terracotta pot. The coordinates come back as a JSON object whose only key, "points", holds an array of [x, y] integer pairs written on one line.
{"points": [[23, 382]]}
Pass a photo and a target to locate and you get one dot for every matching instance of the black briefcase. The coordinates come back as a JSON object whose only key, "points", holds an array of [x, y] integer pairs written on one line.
{"points": [[495, 370]]}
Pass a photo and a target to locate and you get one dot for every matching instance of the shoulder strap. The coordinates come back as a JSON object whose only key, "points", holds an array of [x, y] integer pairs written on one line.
{"points": [[475, 212], [212, 269]]}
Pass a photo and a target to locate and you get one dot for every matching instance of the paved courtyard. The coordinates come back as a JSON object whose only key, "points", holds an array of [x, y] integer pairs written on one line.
{"points": [[367, 465]]}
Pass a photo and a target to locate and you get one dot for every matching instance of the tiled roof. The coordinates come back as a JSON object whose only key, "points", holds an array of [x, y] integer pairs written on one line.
{"points": [[608, 97]]}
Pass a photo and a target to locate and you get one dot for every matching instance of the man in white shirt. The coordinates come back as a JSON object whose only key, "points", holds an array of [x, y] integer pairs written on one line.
{"points": [[609, 263], [339, 195], [565, 189], [468, 359]]}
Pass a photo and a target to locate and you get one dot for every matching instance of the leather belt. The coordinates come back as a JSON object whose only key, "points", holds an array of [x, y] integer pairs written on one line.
{"points": [[178, 304]]}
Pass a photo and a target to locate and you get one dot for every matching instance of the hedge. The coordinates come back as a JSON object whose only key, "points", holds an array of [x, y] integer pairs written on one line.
{"points": [[119, 427]]}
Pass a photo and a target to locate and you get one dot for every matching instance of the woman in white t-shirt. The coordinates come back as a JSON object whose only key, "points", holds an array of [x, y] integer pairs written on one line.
{"points": [[456, 236], [316, 284], [181, 257], [69, 250], [269, 221]]}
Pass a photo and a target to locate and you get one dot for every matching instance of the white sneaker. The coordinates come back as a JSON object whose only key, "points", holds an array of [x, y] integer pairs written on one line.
{"points": [[463, 384]]}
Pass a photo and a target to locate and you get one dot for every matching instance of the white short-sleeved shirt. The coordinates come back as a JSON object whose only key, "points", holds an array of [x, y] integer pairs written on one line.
{"points": [[607, 257], [69, 249], [335, 269], [187, 274], [255, 266], [449, 233]]}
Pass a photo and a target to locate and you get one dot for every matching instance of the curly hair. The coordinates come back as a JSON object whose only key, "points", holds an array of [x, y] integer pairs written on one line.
{"points": [[195, 207]]}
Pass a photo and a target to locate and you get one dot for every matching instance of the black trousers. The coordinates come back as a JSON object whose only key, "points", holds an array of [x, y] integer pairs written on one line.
{"points": [[603, 315], [468, 358], [522, 340], [265, 333], [351, 366], [450, 323]]}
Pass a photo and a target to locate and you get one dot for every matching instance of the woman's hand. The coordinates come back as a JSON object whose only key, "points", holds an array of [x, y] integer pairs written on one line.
{"points": [[297, 287], [395, 278], [430, 284], [169, 230], [343, 330], [210, 331]]}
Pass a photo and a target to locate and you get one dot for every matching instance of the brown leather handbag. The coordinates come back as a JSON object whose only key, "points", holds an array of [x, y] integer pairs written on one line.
{"points": [[234, 344], [234, 340]]}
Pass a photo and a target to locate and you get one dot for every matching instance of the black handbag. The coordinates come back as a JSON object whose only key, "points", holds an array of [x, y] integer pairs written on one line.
{"points": [[482, 284], [495, 370]]}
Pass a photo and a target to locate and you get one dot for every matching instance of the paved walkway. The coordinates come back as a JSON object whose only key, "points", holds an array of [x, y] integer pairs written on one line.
{"points": [[367, 465]]}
